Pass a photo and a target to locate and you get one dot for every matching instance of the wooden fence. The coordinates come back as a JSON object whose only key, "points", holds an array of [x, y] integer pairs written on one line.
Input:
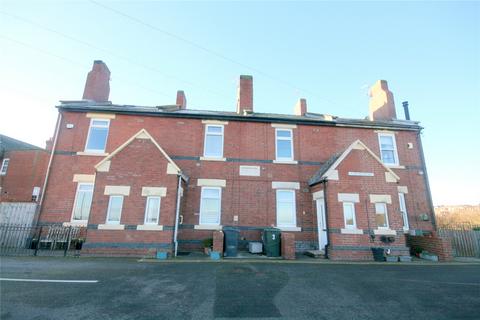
{"points": [[465, 239], [19, 213]]}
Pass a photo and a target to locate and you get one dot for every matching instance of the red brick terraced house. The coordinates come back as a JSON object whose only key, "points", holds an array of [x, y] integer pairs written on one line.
{"points": [[22, 170], [149, 179]]}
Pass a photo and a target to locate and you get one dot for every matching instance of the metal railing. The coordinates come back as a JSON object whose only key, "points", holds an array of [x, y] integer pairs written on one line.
{"points": [[25, 240]]}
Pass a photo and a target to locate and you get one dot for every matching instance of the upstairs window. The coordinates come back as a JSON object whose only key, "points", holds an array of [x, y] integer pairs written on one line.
{"points": [[83, 201], [213, 147], [97, 135], [152, 210], [284, 145], [114, 211], [286, 210], [3, 170], [349, 215], [210, 205], [388, 149], [381, 216]]}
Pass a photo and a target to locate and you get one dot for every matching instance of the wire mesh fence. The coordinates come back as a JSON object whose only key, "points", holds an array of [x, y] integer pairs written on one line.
{"points": [[465, 238], [26, 240]]}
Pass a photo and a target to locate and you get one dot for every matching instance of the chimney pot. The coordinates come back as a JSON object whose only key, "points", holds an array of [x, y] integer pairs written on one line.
{"points": [[181, 99], [245, 95], [97, 86], [301, 107], [382, 105], [405, 110]]}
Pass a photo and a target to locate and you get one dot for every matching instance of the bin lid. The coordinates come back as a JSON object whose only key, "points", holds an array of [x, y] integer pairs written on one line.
{"points": [[271, 230], [234, 229]]}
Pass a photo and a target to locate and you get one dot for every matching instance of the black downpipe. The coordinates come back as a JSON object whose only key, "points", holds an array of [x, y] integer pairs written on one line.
{"points": [[427, 184], [324, 182]]}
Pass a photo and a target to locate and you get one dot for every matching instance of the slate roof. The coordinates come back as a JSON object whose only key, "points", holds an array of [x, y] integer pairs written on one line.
{"points": [[317, 177], [7, 143], [174, 111]]}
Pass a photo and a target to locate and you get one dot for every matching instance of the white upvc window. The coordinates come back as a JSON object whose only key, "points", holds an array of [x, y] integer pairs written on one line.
{"points": [[349, 215], [3, 170], [403, 210], [114, 211], [388, 149], [381, 216], [152, 210], [97, 135], [286, 208], [213, 146], [284, 144], [210, 205], [83, 201]]}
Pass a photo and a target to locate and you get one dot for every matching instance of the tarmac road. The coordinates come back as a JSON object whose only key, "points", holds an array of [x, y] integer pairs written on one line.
{"points": [[128, 289]]}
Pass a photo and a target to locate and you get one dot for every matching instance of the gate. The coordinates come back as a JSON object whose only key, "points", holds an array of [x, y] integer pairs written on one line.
{"points": [[465, 239], [26, 240]]}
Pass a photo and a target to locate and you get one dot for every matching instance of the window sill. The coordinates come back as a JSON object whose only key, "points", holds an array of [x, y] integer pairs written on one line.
{"points": [[212, 159], [150, 227], [394, 166], [385, 232], [293, 229], [76, 223], [111, 227], [207, 227], [90, 153], [351, 231], [285, 161], [406, 230]]}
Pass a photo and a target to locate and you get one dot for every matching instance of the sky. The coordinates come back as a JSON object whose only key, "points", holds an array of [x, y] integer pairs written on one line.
{"points": [[327, 52]]}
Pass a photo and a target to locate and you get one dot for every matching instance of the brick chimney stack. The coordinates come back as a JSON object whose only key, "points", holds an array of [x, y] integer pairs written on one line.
{"points": [[381, 106], [97, 87], [300, 107], [245, 95], [181, 99]]}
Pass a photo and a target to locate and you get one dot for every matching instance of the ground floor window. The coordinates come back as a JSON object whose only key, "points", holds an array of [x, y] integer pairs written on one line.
{"points": [[152, 210], [403, 210], [381, 216], [114, 211], [210, 205], [349, 215], [83, 201], [286, 211]]}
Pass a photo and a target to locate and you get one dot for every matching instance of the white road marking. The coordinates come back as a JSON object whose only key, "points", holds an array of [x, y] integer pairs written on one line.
{"points": [[46, 280]]}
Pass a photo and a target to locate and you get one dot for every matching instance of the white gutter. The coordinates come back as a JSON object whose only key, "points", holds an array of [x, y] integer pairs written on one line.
{"points": [[57, 129], [177, 213]]}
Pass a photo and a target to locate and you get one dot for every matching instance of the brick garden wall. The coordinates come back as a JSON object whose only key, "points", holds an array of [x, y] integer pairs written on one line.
{"points": [[442, 247]]}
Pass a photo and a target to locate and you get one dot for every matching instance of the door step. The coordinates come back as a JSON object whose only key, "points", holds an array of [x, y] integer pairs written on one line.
{"points": [[317, 254]]}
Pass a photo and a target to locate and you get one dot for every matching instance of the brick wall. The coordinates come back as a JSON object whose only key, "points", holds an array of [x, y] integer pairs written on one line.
{"points": [[218, 242], [442, 247], [288, 246], [250, 199], [26, 170], [140, 164]]}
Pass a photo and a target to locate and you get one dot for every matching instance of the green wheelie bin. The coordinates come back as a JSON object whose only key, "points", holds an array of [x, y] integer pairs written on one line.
{"points": [[271, 242]]}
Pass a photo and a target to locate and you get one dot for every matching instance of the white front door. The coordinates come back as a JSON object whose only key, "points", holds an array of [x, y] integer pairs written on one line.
{"points": [[322, 224]]}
